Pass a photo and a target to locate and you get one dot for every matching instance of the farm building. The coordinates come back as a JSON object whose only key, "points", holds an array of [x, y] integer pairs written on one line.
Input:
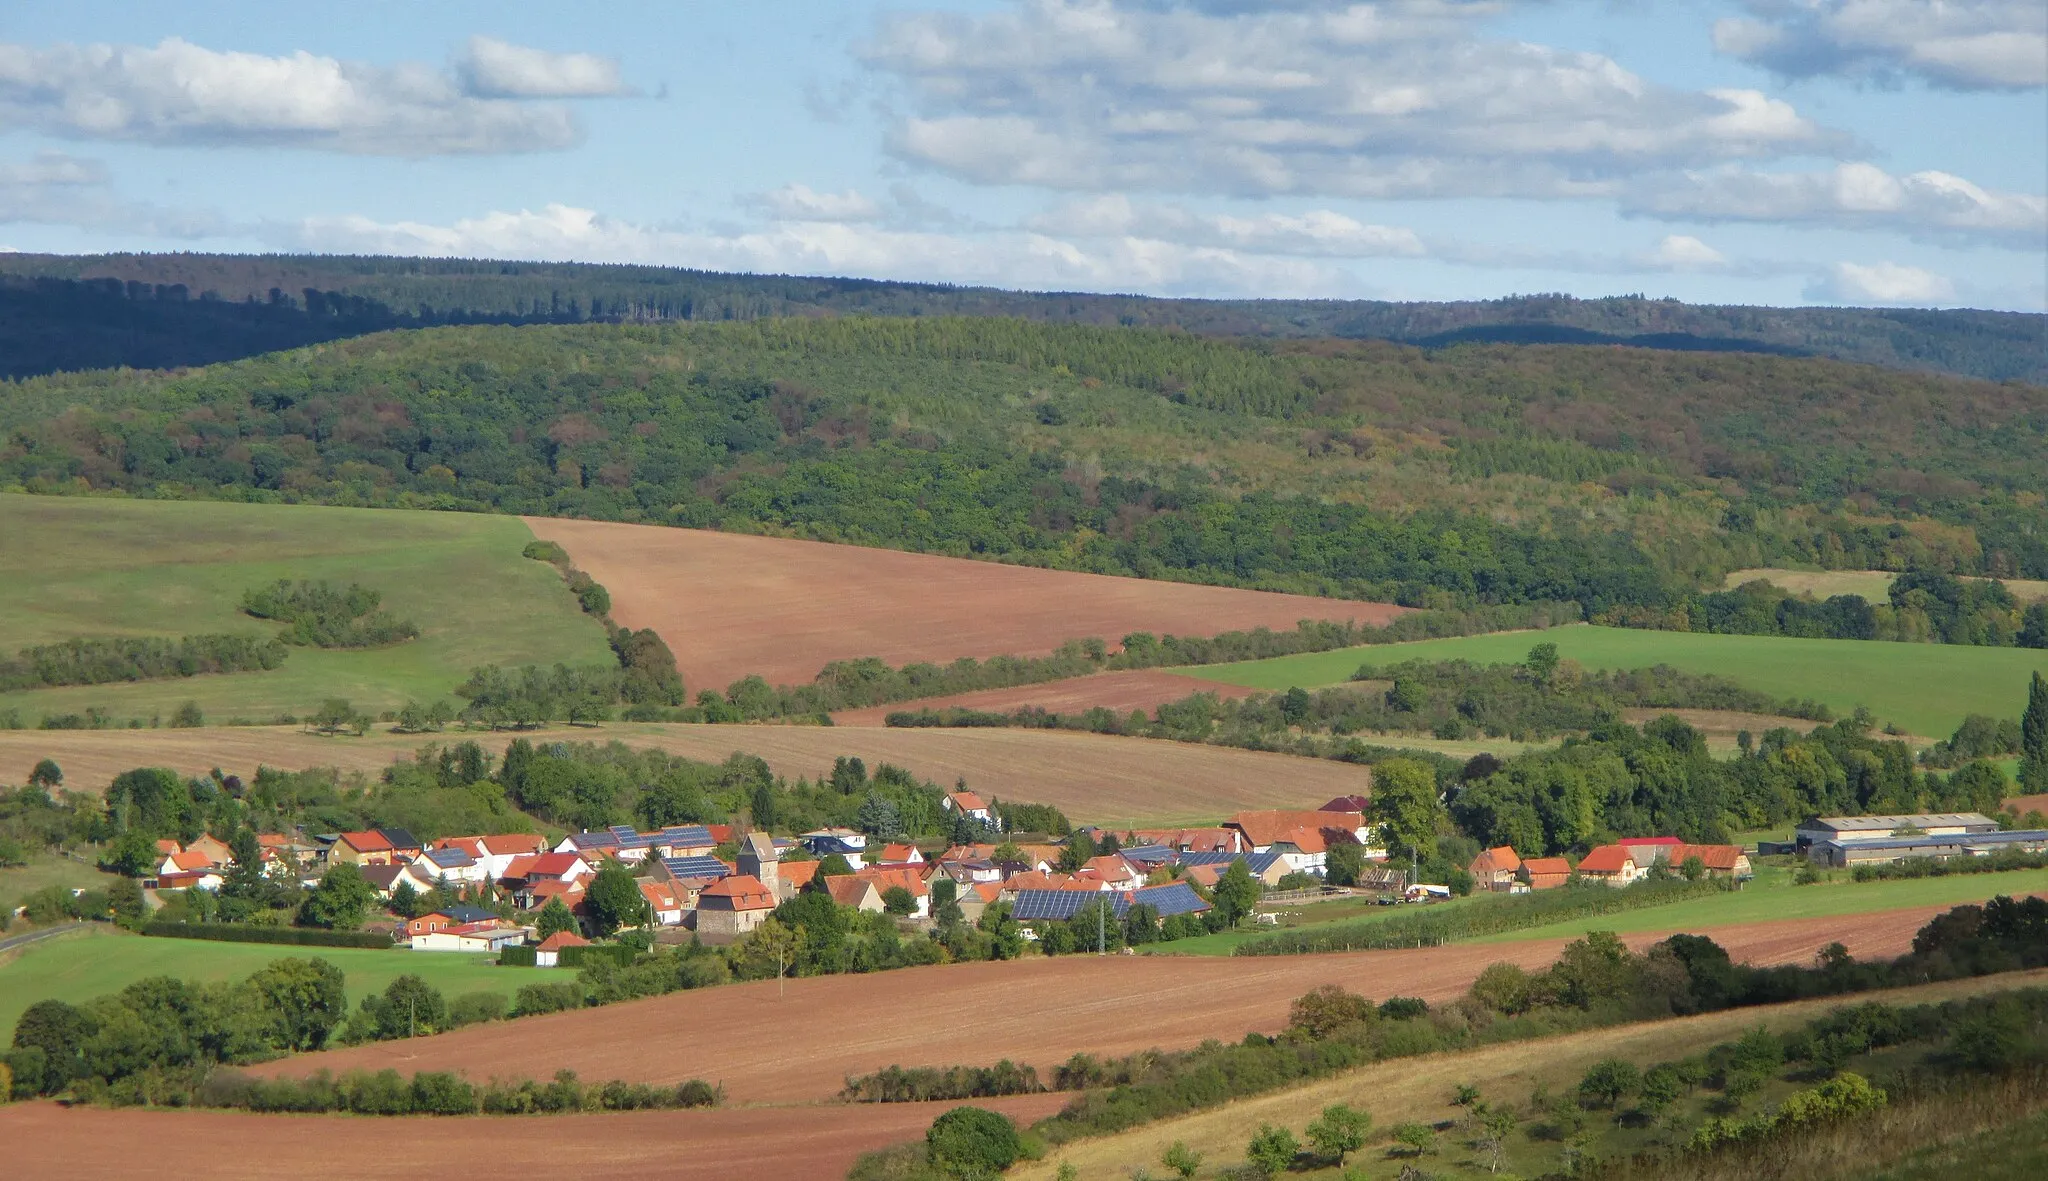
{"points": [[1649, 851], [1719, 861], [549, 953], [732, 907], [1545, 873], [1610, 864], [1495, 869], [1269, 868], [1841, 854], [1846, 829]]}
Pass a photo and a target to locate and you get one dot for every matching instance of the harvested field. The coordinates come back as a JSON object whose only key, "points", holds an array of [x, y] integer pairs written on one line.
{"points": [[1121, 691], [798, 1045], [1094, 778], [45, 1140], [731, 604], [2021, 805]]}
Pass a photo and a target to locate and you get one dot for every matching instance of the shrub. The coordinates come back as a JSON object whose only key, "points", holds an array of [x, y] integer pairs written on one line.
{"points": [[533, 999], [972, 1142], [474, 1008], [1272, 1150]]}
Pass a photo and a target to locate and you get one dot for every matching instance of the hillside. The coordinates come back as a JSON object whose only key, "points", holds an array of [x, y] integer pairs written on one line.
{"points": [[82, 312], [1604, 476]]}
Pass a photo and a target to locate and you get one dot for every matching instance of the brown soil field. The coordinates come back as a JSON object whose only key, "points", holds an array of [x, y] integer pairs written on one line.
{"points": [[2021, 805], [1121, 691], [1094, 778], [798, 1042], [731, 604], [46, 1141]]}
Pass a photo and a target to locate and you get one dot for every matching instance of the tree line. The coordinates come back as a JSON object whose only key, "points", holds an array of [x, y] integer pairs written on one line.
{"points": [[115, 660], [1923, 606]]}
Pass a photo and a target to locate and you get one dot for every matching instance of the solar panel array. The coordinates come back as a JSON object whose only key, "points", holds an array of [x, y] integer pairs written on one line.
{"points": [[1171, 899], [1059, 905], [624, 836], [695, 867], [1256, 862]]}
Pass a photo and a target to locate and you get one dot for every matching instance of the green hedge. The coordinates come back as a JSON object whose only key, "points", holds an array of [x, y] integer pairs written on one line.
{"points": [[618, 953], [246, 933], [519, 955], [1486, 916]]}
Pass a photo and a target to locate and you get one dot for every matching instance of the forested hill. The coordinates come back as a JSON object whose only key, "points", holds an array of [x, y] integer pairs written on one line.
{"points": [[1607, 476], [149, 311]]}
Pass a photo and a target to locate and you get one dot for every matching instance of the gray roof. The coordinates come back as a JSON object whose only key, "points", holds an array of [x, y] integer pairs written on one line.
{"points": [[1256, 862], [1887, 824], [1967, 840]]}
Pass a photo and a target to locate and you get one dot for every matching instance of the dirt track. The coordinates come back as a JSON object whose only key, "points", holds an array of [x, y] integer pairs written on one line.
{"points": [[1119, 691], [47, 1141], [799, 1045], [1092, 777], [730, 604]]}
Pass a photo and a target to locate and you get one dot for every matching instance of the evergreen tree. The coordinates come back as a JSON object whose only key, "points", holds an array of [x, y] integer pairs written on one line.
{"points": [[555, 917], [2034, 739]]}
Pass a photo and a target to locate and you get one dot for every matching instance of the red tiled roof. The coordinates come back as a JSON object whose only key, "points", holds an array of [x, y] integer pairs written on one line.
{"points": [[167, 846], [847, 890], [1606, 859], [660, 896], [502, 843], [474, 846], [562, 939], [191, 861], [967, 801], [1538, 866], [1263, 828], [549, 887], [1502, 859], [986, 891], [1346, 804], [740, 891], [906, 877], [797, 873], [367, 842], [544, 865], [1649, 841], [1716, 857]]}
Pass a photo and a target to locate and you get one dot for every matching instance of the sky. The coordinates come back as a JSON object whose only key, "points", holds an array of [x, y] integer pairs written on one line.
{"points": [[1862, 152]]}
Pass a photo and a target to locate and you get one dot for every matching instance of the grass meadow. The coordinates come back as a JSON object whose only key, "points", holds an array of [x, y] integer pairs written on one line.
{"points": [[1926, 689], [102, 959], [17, 882], [79, 567]]}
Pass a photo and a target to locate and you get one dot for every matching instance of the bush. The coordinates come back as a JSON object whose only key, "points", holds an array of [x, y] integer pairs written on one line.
{"points": [[931, 1083], [518, 955], [534, 999], [475, 1008], [971, 1142], [1272, 1150]]}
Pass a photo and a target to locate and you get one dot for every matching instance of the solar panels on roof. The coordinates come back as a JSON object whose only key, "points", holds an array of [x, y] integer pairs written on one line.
{"points": [[687, 835], [1168, 900], [1171, 899], [1256, 862], [695, 867]]}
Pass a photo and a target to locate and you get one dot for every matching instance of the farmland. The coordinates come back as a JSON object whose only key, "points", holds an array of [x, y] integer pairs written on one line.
{"points": [[1418, 1089], [171, 568], [796, 1044], [1121, 692], [1093, 777], [730, 605], [1873, 585], [100, 959], [1925, 688]]}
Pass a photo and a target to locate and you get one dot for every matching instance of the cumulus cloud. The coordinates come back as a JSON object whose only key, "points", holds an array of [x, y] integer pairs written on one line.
{"points": [[1015, 258], [1391, 100], [57, 188], [1881, 282], [1922, 204], [1961, 44], [799, 202], [491, 68], [179, 93], [1683, 252]]}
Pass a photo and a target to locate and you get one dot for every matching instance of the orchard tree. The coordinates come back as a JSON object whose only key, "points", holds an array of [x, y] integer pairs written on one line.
{"points": [[1340, 1131], [1272, 1150]]}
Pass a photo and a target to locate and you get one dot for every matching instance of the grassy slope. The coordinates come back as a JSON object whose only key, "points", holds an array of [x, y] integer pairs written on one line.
{"points": [[81, 567], [2016, 1152], [102, 959], [1925, 688], [1419, 1089], [1874, 585], [48, 869]]}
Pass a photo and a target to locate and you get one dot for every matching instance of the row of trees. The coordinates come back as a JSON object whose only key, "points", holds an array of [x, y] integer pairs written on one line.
{"points": [[1924, 606], [107, 661]]}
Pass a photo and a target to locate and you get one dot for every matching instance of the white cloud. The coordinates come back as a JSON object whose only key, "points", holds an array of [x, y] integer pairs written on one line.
{"points": [[1013, 258], [1922, 204], [1683, 252], [1881, 282], [1392, 100], [499, 69], [798, 202], [179, 93], [1319, 233], [1962, 44], [57, 188]]}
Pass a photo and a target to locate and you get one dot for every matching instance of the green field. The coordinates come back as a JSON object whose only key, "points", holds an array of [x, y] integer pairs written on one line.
{"points": [[102, 959], [48, 869], [1767, 899], [1924, 688], [103, 567]]}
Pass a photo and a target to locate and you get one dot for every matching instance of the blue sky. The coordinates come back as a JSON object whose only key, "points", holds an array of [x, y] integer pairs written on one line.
{"points": [[1742, 151]]}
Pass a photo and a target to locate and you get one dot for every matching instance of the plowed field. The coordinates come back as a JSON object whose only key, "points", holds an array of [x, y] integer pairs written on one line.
{"points": [[798, 1043], [45, 1141], [1119, 691], [1094, 778], [730, 604]]}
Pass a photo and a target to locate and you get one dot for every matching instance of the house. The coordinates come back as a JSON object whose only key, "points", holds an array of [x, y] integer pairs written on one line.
{"points": [[1721, 861], [216, 850], [1192, 840], [385, 878], [1306, 850], [966, 803], [1611, 864], [1258, 830], [535, 877], [454, 866], [404, 846], [975, 900], [1112, 871], [1359, 804], [491, 937], [732, 907], [368, 847], [691, 873], [846, 842], [665, 901], [760, 858], [1173, 898], [165, 846], [281, 850], [1495, 869], [900, 854], [191, 861], [548, 953], [494, 853], [859, 893], [208, 879], [1545, 873], [460, 915], [909, 880], [793, 876], [1650, 851], [1267, 867]]}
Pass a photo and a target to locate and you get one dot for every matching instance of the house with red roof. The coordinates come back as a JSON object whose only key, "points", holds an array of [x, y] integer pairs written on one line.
{"points": [[1612, 864], [1496, 869], [188, 862], [664, 901], [548, 953], [859, 893], [966, 803], [732, 907], [1719, 861], [368, 847], [1649, 851], [1545, 873], [887, 878], [1111, 871], [489, 936], [902, 853]]}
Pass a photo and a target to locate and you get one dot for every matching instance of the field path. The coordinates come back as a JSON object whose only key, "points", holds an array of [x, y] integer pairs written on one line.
{"points": [[731, 604], [46, 1141], [800, 1044], [1094, 778]]}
